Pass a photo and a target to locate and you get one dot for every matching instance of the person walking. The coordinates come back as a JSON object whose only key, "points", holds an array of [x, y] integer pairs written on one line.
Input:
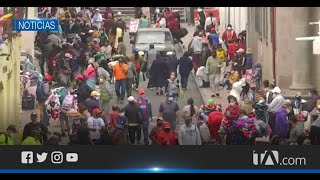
{"points": [[132, 112], [167, 136], [173, 86], [120, 73], [282, 122], [91, 73], [189, 134], [122, 49], [169, 111], [185, 67], [149, 58], [84, 91], [137, 60], [206, 53], [202, 17], [222, 55], [95, 124], [210, 22], [213, 38], [156, 131], [196, 46], [146, 114], [191, 110], [214, 122], [96, 19], [130, 76], [228, 35], [159, 71], [105, 96], [42, 93], [213, 70]]}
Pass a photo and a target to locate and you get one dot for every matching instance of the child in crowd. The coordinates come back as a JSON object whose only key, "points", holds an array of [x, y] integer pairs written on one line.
{"points": [[226, 81], [122, 121], [113, 118]]}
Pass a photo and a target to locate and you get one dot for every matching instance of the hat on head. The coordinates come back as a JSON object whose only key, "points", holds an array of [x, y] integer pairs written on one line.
{"points": [[95, 94], [80, 77], [141, 91], [131, 98], [298, 94], [276, 90], [169, 94], [240, 50], [96, 111], [48, 77], [287, 102], [97, 9], [68, 55], [119, 13], [135, 50]]}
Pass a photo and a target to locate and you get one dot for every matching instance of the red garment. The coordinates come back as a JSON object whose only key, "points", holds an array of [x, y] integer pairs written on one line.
{"points": [[214, 121], [232, 49], [174, 25], [108, 14], [155, 133], [228, 36], [234, 113], [166, 138], [113, 116], [96, 46]]}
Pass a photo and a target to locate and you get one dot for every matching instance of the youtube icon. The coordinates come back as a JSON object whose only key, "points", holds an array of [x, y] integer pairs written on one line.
{"points": [[72, 157]]}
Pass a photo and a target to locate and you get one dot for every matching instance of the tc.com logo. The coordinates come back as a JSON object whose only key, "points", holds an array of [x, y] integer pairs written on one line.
{"points": [[271, 158]]}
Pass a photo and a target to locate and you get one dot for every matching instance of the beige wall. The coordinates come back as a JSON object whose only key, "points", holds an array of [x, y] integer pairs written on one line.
{"points": [[10, 94], [315, 71]]}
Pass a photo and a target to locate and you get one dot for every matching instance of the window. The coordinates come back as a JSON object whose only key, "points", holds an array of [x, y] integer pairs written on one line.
{"points": [[154, 37]]}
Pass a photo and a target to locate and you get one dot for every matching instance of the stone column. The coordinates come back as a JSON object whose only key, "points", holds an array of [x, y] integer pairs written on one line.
{"points": [[301, 77]]}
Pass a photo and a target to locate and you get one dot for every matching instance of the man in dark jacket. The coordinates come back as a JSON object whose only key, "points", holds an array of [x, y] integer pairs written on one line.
{"points": [[32, 126], [172, 63], [202, 17], [185, 66], [84, 91], [132, 112], [92, 102]]}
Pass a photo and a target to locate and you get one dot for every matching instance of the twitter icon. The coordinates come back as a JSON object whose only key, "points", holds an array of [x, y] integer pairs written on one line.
{"points": [[42, 157]]}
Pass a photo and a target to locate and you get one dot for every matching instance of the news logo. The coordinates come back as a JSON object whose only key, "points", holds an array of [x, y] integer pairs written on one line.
{"points": [[27, 157], [272, 158], [35, 25]]}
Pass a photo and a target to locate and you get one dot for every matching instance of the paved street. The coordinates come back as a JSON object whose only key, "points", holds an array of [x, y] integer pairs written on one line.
{"points": [[192, 91]]}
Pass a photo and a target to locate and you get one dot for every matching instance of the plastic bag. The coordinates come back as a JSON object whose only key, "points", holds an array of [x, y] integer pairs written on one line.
{"points": [[200, 72]]}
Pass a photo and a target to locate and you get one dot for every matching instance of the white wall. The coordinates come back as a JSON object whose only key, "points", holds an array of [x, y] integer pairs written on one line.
{"points": [[238, 18], [28, 37]]}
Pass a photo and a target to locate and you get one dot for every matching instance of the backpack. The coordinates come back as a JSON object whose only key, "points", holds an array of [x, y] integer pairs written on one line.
{"points": [[40, 92], [5, 142], [172, 87], [121, 121]]}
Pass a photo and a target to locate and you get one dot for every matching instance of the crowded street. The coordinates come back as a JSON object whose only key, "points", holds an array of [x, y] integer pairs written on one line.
{"points": [[154, 76]]}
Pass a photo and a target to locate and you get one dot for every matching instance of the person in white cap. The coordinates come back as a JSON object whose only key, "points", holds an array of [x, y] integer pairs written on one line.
{"points": [[277, 102], [132, 112], [97, 19], [240, 60]]}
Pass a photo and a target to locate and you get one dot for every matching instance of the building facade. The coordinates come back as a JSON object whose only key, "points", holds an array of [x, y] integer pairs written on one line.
{"points": [[271, 34]]}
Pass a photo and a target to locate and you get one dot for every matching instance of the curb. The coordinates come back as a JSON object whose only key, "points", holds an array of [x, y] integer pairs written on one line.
{"points": [[195, 80]]}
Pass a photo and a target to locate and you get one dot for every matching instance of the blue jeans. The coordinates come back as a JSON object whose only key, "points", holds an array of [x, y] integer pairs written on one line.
{"points": [[137, 79], [145, 130], [228, 84], [120, 87], [184, 80], [45, 120]]}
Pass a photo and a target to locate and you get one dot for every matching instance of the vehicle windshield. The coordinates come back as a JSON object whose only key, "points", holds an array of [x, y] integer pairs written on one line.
{"points": [[153, 37]]}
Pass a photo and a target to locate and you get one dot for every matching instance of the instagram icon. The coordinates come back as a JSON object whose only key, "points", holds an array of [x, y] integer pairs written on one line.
{"points": [[56, 157]]}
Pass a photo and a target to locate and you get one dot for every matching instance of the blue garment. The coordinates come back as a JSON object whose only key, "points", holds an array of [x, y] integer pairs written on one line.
{"points": [[185, 65], [91, 82], [282, 123], [248, 63], [144, 23], [121, 122], [120, 87], [145, 108], [184, 79], [172, 64], [214, 38]]}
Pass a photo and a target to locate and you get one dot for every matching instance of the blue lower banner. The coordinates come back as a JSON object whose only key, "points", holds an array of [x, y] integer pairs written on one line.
{"points": [[159, 159]]}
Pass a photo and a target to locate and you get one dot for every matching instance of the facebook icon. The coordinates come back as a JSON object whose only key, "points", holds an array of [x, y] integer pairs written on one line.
{"points": [[27, 157]]}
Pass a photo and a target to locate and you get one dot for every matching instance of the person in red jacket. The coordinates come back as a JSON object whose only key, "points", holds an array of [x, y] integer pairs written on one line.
{"points": [[113, 117], [214, 121], [231, 114], [229, 34], [233, 47], [166, 135], [174, 26], [156, 131]]}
